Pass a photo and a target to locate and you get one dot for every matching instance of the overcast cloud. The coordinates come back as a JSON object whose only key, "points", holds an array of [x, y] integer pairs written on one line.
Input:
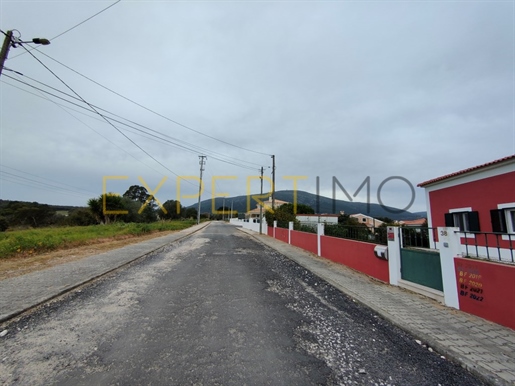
{"points": [[344, 89]]}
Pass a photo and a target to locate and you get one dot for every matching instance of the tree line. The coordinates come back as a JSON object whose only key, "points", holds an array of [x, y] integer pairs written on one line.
{"points": [[135, 205]]}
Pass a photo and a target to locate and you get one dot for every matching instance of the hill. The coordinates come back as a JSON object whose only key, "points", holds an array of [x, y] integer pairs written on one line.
{"points": [[325, 205]]}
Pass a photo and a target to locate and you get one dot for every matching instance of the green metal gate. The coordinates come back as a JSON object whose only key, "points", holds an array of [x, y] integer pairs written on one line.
{"points": [[422, 267]]}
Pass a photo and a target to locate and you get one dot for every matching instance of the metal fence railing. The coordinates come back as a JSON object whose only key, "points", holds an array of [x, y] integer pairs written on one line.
{"points": [[419, 237], [360, 233], [489, 245], [309, 227]]}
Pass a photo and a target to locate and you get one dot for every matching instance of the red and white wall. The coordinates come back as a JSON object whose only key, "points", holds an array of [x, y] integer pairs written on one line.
{"points": [[486, 289], [354, 254]]}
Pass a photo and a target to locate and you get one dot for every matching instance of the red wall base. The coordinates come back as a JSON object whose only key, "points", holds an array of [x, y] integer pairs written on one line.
{"points": [[304, 240], [354, 254], [281, 234], [357, 255], [486, 289]]}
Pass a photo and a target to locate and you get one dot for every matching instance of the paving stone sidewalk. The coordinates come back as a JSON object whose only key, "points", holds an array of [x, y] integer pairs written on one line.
{"points": [[19, 294], [484, 348]]}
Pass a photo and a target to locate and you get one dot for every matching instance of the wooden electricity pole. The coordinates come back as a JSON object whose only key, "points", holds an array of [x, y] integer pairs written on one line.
{"points": [[5, 49], [202, 162], [273, 182], [261, 206]]}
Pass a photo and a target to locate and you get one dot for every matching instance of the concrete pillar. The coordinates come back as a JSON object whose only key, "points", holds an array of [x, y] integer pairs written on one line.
{"points": [[275, 226], [394, 254], [290, 228], [449, 245], [320, 232]]}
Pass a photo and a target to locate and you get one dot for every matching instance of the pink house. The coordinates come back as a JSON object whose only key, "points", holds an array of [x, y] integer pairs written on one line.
{"points": [[477, 199]]}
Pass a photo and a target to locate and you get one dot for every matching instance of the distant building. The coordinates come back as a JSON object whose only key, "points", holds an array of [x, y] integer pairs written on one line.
{"points": [[254, 213], [367, 220]]}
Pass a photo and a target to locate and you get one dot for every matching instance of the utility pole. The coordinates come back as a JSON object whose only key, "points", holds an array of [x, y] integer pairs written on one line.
{"points": [[202, 162], [261, 206], [223, 210], [231, 209], [8, 42], [5, 49], [273, 182]]}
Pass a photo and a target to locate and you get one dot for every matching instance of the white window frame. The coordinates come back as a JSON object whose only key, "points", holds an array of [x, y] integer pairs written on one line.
{"points": [[509, 215], [510, 220], [456, 211]]}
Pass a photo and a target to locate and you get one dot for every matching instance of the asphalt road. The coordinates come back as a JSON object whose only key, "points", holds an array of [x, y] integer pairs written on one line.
{"points": [[217, 308]]}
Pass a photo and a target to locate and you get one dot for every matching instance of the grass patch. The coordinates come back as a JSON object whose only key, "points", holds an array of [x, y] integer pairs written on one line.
{"points": [[33, 241]]}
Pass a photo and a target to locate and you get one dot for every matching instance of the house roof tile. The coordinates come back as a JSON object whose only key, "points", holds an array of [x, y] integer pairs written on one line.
{"points": [[419, 221], [465, 171]]}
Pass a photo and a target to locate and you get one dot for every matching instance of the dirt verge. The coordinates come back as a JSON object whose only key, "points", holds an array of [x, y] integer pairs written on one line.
{"points": [[17, 266]]}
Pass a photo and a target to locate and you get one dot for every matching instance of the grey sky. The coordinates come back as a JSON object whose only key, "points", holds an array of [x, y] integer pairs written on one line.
{"points": [[344, 89]]}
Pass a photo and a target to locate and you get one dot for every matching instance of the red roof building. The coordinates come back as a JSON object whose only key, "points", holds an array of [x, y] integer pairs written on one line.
{"points": [[477, 199]]}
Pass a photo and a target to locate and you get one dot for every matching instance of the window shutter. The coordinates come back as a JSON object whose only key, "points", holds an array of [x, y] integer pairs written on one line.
{"points": [[498, 220], [473, 221], [449, 220]]}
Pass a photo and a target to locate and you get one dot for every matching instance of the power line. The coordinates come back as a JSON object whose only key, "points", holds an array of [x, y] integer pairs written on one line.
{"points": [[132, 101], [6, 179], [152, 111], [106, 119], [89, 18], [93, 109], [97, 112], [139, 131], [187, 146], [85, 124], [40, 185], [47, 179], [196, 147], [69, 29]]}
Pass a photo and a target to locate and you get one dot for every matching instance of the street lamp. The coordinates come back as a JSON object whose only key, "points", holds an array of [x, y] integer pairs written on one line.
{"points": [[10, 42], [42, 41]]}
